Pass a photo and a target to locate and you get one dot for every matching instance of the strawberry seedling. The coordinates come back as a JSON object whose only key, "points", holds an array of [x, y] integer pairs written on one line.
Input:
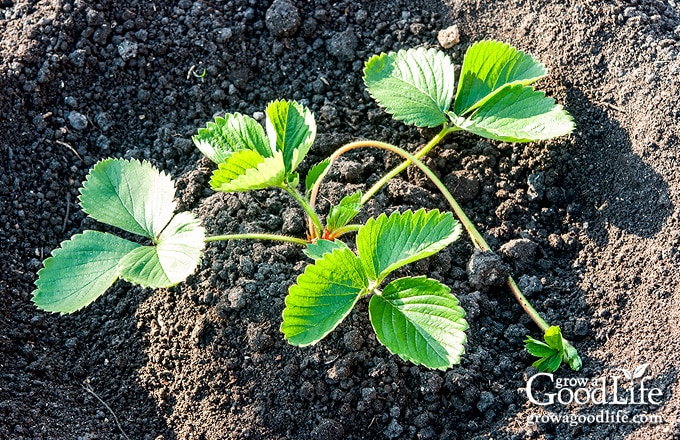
{"points": [[417, 317]]}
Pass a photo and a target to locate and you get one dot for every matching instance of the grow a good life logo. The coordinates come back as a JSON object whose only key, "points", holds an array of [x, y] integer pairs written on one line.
{"points": [[618, 397]]}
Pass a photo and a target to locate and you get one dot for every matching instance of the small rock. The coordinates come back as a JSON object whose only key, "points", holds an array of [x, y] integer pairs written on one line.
{"points": [[237, 298], [486, 399], [127, 50], [487, 269], [71, 101], [536, 186], [103, 121], [417, 28], [343, 45], [224, 35], [530, 285], [394, 429], [77, 57], [463, 184], [522, 251], [103, 142], [353, 340], [77, 120], [449, 37], [282, 19], [328, 429]]}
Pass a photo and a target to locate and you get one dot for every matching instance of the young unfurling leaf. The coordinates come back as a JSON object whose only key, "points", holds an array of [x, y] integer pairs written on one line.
{"points": [[553, 351]]}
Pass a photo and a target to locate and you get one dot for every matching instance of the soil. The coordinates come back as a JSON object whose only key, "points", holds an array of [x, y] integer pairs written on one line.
{"points": [[589, 223]]}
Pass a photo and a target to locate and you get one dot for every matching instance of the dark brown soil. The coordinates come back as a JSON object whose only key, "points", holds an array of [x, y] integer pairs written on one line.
{"points": [[205, 360]]}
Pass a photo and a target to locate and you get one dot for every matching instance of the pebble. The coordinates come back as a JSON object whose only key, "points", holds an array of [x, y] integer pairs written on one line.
{"points": [[536, 186], [77, 120], [127, 49], [449, 37], [343, 45], [394, 429], [77, 57], [530, 285], [282, 19], [103, 121], [486, 269]]}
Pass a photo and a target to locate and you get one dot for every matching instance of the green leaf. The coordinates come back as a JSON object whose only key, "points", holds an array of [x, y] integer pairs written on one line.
{"points": [[387, 243], [131, 195], [247, 170], [323, 296], [415, 86], [553, 337], [291, 129], [218, 140], [518, 113], [538, 348], [80, 271], [488, 66], [172, 260], [315, 172], [553, 351], [344, 212], [322, 247], [419, 320]]}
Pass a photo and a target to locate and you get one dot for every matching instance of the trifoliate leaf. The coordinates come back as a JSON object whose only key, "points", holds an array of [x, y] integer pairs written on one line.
{"points": [[220, 139], [172, 259], [315, 172], [131, 195], [419, 320], [387, 243], [344, 212], [80, 271], [518, 113], [415, 86], [553, 351], [322, 297], [489, 65], [247, 170], [322, 247], [291, 129]]}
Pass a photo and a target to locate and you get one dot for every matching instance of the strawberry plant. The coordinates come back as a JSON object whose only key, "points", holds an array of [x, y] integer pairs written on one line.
{"points": [[417, 317]]}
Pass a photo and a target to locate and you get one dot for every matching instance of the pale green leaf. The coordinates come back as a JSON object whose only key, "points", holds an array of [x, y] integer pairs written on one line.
{"points": [[518, 113], [315, 172], [488, 66], [80, 271], [344, 212], [322, 297], [220, 139], [538, 348], [247, 170], [131, 195], [415, 86], [322, 247], [172, 259], [291, 129], [553, 337], [387, 243], [419, 320]]}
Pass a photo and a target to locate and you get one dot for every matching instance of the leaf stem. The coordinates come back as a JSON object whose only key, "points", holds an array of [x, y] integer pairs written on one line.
{"points": [[316, 228], [398, 169], [256, 236], [477, 238]]}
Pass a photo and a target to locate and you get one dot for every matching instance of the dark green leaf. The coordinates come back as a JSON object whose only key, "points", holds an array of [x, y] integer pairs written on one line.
{"points": [[80, 271], [488, 66], [415, 86], [387, 243], [322, 297], [131, 195], [419, 320], [344, 212], [291, 129], [234, 132], [315, 172], [518, 113], [321, 247]]}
